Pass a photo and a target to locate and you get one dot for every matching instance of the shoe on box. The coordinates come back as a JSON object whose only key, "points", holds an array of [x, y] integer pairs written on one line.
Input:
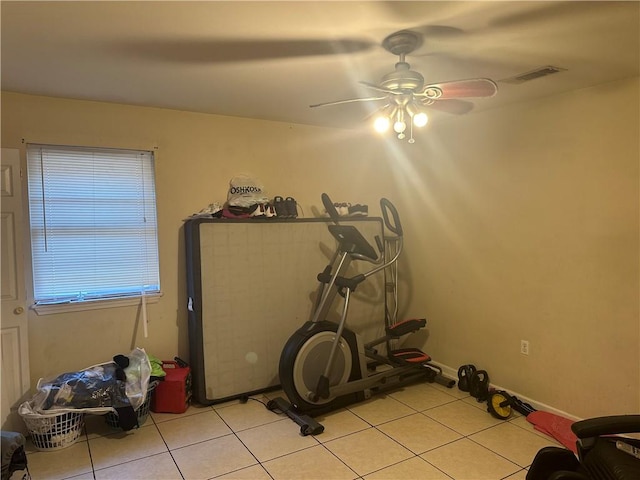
{"points": [[358, 210], [269, 211], [292, 207], [342, 208], [281, 207]]}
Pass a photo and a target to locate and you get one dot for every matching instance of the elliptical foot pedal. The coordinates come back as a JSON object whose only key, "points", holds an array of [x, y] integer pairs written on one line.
{"points": [[308, 426], [410, 355], [400, 329]]}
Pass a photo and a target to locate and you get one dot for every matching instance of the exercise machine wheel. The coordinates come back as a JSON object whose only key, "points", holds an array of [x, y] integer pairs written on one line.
{"points": [[499, 405], [304, 359]]}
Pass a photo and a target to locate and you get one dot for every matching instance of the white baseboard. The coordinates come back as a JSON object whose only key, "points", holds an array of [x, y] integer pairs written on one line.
{"points": [[453, 373]]}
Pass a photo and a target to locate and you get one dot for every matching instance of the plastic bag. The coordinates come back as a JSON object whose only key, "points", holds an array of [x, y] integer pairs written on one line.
{"points": [[95, 389], [245, 191], [138, 373]]}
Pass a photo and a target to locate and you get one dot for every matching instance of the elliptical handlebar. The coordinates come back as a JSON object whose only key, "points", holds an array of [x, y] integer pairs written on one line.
{"points": [[392, 222], [386, 206], [330, 208], [389, 212]]}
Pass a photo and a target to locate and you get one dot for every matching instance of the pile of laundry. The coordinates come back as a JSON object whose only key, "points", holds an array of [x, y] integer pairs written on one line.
{"points": [[119, 386]]}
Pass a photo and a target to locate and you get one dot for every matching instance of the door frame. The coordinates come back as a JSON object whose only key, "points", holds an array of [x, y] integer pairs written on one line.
{"points": [[14, 346]]}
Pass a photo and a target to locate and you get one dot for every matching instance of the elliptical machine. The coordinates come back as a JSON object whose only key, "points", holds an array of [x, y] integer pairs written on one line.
{"points": [[325, 365]]}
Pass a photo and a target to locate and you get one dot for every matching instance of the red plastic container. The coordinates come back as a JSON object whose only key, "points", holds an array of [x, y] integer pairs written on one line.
{"points": [[172, 395]]}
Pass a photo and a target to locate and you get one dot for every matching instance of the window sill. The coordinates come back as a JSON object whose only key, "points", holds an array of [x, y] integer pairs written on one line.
{"points": [[53, 308]]}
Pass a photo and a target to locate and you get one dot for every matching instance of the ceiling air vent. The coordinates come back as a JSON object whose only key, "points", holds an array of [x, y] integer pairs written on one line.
{"points": [[532, 75]]}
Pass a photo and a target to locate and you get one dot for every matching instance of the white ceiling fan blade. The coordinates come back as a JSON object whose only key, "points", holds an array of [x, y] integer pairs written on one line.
{"points": [[379, 89], [477, 87], [350, 100], [452, 106], [376, 112]]}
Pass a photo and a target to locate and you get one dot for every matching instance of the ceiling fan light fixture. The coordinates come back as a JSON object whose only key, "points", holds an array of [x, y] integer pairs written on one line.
{"points": [[381, 124], [400, 125], [420, 119], [382, 120], [418, 116]]}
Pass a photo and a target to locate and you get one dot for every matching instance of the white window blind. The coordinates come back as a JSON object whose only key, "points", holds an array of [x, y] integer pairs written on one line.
{"points": [[93, 223]]}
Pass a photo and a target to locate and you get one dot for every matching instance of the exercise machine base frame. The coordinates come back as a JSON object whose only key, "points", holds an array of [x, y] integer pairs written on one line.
{"points": [[308, 426]]}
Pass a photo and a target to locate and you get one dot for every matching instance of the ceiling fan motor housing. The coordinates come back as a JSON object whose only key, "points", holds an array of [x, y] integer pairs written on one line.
{"points": [[402, 42], [403, 78]]}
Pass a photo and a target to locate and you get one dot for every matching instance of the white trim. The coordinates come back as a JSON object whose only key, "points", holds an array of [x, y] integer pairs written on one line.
{"points": [[53, 308], [453, 373]]}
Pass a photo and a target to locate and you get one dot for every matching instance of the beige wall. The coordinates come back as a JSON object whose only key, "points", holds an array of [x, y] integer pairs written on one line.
{"points": [[196, 156], [522, 223]]}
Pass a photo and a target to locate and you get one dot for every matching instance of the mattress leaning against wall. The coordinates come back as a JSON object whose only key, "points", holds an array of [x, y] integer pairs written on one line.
{"points": [[251, 284]]}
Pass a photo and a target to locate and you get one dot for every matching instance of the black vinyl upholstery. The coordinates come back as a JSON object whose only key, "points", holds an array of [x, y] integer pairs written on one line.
{"points": [[598, 457]]}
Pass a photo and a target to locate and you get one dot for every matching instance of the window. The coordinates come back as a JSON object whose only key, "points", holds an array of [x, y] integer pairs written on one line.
{"points": [[93, 223]]}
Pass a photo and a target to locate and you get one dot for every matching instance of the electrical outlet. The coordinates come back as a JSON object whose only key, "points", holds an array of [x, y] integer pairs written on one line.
{"points": [[524, 347]]}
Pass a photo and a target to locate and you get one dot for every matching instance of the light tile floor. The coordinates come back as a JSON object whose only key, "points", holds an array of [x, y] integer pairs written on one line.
{"points": [[423, 431]]}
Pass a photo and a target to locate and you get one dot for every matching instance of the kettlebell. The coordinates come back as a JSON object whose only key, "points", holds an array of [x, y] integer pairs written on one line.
{"points": [[479, 385], [464, 374]]}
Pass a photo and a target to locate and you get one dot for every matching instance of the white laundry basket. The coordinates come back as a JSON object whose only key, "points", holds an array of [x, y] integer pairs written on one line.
{"points": [[52, 431], [142, 411]]}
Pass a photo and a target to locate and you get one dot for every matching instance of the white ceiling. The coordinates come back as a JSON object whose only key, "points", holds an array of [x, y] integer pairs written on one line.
{"points": [[271, 60]]}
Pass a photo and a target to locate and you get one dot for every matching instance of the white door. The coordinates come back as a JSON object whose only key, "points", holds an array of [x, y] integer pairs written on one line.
{"points": [[14, 347]]}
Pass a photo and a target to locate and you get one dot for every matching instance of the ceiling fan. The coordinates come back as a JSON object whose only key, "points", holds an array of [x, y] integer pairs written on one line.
{"points": [[406, 95]]}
